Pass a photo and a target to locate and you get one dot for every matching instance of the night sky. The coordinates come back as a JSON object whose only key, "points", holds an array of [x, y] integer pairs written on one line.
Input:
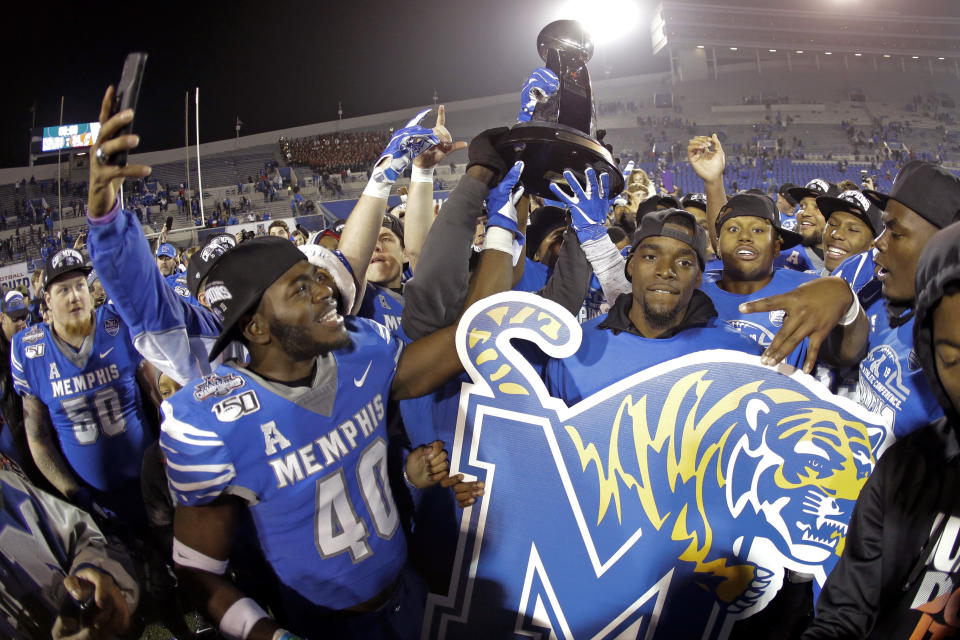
{"points": [[286, 64]]}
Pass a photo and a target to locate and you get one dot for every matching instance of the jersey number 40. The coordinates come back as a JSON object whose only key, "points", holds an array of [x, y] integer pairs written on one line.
{"points": [[338, 528]]}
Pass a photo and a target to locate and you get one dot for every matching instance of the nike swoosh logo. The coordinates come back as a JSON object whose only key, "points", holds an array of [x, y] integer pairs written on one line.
{"points": [[359, 382], [106, 353]]}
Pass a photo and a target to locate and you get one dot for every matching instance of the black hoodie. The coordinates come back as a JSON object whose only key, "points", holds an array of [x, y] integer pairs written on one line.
{"points": [[900, 571]]}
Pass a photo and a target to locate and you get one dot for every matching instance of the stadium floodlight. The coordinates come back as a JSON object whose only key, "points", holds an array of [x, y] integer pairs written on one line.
{"points": [[886, 55], [941, 58], [799, 51], [915, 57], [828, 53], [858, 54], [772, 50], [733, 48], [604, 20], [700, 46]]}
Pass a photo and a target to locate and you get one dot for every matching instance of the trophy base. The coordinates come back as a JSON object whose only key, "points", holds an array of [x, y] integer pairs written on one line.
{"points": [[548, 149]]}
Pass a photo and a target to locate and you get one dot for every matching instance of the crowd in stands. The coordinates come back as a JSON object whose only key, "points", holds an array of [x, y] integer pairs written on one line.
{"points": [[335, 153]]}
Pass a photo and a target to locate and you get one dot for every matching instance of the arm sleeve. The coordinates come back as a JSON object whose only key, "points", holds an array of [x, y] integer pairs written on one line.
{"points": [[172, 334], [20, 383], [607, 263], [847, 607], [570, 280], [199, 465], [434, 297]]}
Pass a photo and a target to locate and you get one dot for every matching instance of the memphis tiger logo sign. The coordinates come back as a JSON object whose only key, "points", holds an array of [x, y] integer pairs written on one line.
{"points": [[666, 505]]}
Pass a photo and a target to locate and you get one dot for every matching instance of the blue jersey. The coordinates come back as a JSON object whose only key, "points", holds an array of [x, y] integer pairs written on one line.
{"points": [[178, 282], [581, 375], [535, 276], [594, 304], [760, 327], [311, 462], [796, 258], [381, 305], [891, 381], [858, 271], [92, 395]]}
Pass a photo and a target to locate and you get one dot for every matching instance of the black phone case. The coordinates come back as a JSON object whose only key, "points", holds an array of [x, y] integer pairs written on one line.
{"points": [[128, 92]]}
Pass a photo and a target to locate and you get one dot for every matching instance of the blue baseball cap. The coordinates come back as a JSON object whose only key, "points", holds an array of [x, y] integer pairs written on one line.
{"points": [[167, 249], [14, 305]]}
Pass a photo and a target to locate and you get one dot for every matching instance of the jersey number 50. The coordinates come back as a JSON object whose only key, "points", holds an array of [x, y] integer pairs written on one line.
{"points": [[106, 415], [338, 528]]}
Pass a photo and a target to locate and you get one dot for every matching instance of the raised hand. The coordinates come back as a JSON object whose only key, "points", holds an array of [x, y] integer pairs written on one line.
{"points": [[405, 145], [541, 84], [435, 154], [105, 179], [588, 207], [706, 157]]}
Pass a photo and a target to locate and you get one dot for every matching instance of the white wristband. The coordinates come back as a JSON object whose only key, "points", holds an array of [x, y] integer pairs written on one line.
{"points": [[239, 619], [853, 311], [377, 189], [418, 174], [498, 239]]}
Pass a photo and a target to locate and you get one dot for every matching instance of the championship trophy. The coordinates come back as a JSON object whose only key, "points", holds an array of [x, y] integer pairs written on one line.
{"points": [[558, 135]]}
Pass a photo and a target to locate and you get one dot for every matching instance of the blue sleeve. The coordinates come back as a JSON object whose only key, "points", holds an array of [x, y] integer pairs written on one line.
{"points": [[20, 383], [170, 332], [199, 464]]}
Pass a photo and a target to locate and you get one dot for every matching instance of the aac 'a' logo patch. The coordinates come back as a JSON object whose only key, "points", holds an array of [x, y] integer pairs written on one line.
{"points": [[214, 385], [665, 505], [33, 334], [112, 327]]}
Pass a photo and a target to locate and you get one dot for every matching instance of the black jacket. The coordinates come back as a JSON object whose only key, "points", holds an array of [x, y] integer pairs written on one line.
{"points": [[901, 563]]}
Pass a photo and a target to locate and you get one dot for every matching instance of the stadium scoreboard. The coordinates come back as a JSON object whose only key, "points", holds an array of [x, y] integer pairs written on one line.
{"points": [[69, 136]]}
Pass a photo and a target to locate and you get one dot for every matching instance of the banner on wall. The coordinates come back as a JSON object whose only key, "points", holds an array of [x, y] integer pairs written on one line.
{"points": [[14, 276], [666, 505]]}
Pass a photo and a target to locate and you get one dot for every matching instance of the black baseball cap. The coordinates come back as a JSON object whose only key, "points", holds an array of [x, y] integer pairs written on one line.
{"points": [[543, 221], [238, 279], [654, 224], [749, 204], [64, 261], [854, 203], [784, 191], [393, 223], [14, 305], [814, 189], [202, 261], [656, 203], [932, 192], [698, 200]]}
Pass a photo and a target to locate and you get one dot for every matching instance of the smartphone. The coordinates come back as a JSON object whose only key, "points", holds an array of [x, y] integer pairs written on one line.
{"points": [[128, 91]]}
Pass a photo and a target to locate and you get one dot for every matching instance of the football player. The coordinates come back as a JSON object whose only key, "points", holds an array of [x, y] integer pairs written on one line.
{"points": [[83, 386]]}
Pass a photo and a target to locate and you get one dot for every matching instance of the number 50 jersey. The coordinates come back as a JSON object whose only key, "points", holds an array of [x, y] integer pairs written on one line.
{"points": [[92, 395], [311, 463]]}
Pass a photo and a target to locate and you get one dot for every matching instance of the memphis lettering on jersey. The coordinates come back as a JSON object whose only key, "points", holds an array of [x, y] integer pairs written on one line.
{"points": [[936, 597], [293, 466], [83, 382]]}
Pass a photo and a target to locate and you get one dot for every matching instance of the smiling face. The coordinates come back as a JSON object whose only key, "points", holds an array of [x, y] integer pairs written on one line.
{"points": [[664, 272], [904, 236], [386, 263], [810, 222], [299, 314], [748, 247], [845, 235]]}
